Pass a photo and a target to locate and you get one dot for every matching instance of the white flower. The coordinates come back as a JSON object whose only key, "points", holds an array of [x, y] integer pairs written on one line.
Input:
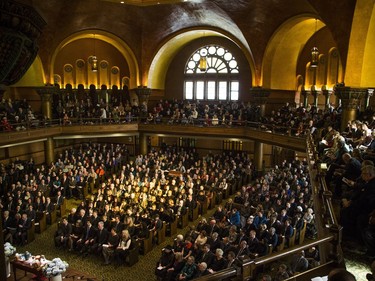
{"points": [[55, 267], [9, 250]]}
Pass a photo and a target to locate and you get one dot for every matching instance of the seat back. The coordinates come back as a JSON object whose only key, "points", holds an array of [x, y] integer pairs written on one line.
{"points": [[145, 244], [302, 233], [41, 222], [31, 232], [161, 233], [184, 220], [281, 244], [292, 238], [133, 254], [171, 228]]}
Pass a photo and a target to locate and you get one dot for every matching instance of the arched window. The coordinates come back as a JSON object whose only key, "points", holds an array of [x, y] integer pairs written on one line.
{"points": [[211, 73]]}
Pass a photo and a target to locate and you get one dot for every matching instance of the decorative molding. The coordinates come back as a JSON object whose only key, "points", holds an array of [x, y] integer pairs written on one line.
{"points": [[20, 27]]}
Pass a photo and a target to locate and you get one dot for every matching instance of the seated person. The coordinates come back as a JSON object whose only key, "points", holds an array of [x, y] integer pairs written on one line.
{"points": [[165, 262]]}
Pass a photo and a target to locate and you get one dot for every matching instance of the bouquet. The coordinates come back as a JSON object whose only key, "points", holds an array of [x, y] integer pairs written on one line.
{"points": [[54, 267], [9, 249]]}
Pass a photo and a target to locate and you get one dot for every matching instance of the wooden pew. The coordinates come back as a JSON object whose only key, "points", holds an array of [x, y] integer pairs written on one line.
{"points": [[145, 244], [53, 216], [302, 233], [204, 206], [213, 201], [133, 255], [161, 234], [31, 232], [292, 239], [183, 220], [61, 210], [41, 222], [171, 228], [281, 245], [195, 213]]}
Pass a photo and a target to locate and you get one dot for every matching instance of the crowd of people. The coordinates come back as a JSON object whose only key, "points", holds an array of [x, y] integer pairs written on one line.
{"points": [[132, 197]]}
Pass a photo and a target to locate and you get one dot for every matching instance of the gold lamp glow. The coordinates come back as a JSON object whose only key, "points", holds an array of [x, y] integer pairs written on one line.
{"points": [[94, 60], [203, 60], [315, 51]]}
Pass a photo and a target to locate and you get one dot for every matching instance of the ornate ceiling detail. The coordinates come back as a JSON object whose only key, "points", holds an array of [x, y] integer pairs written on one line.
{"points": [[20, 27]]}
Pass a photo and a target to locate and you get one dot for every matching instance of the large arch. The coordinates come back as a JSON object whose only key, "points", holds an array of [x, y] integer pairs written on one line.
{"points": [[360, 66], [166, 53], [109, 38], [283, 50]]}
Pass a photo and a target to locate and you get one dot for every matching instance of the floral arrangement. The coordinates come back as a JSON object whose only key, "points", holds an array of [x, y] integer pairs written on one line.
{"points": [[9, 249], [54, 267]]}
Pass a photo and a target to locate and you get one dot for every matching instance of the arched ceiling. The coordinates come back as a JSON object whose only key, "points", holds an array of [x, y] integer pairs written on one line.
{"points": [[164, 56], [360, 70], [123, 48], [281, 57]]}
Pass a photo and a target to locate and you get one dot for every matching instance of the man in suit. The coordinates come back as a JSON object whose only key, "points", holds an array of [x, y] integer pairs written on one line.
{"points": [[8, 227], [22, 228], [59, 199], [207, 255], [157, 225], [102, 235], [49, 209], [63, 233], [117, 225], [87, 239], [242, 249]]}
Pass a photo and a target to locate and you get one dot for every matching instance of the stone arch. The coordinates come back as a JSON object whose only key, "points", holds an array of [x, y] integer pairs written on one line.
{"points": [[281, 56], [170, 48], [111, 39]]}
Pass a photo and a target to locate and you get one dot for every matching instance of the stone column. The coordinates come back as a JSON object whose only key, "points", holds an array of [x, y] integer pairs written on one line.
{"points": [[258, 96], [46, 94], [327, 94], [143, 93], [49, 150], [305, 95], [142, 144], [315, 95], [258, 156], [350, 100]]}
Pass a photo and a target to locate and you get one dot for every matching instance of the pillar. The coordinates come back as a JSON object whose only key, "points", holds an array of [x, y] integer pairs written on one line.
{"points": [[143, 93], [304, 94], [327, 95], [258, 155], [142, 144], [49, 148], [315, 94], [46, 94], [259, 96], [350, 100]]}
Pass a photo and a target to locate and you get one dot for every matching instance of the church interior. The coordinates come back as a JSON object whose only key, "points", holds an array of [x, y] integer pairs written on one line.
{"points": [[270, 99]]}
